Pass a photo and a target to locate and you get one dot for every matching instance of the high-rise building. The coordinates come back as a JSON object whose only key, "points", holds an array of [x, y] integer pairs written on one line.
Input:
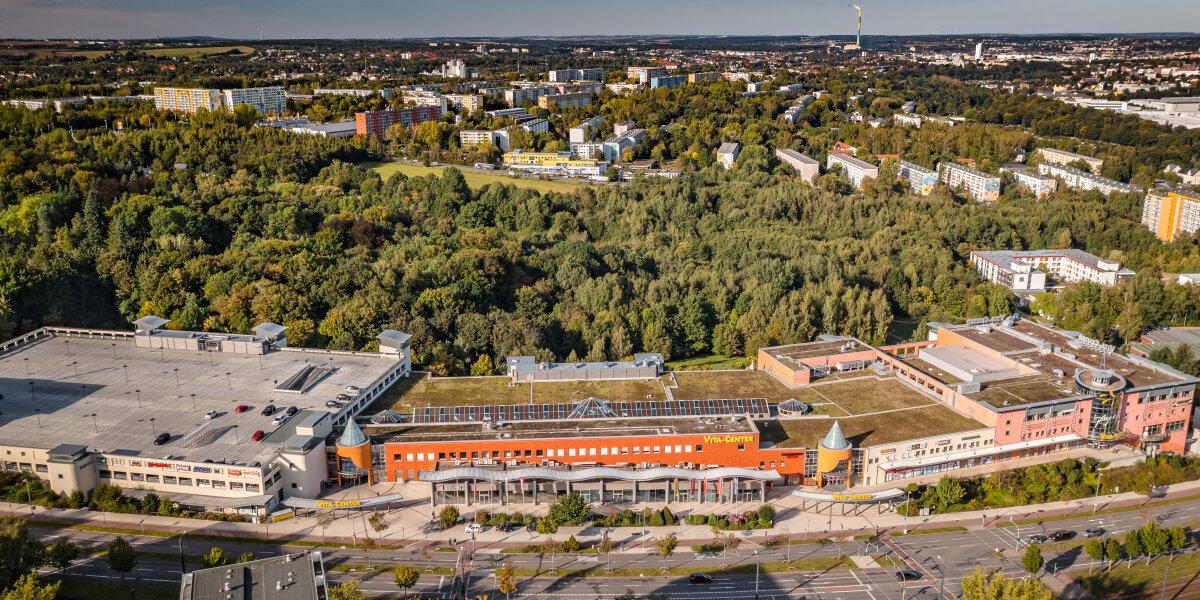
{"points": [[266, 100], [920, 179], [377, 122], [856, 170], [575, 75], [703, 77], [455, 68], [670, 83], [583, 132], [643, 74], [979, 52], [981, 186], [1171, 212], [467, 103]]}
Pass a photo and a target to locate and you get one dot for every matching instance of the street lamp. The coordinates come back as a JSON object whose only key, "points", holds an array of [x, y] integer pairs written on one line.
{"points": [[114, 349], [756, 575], [26, 366], [126, 369], [68, 345], [983, 516], [95, 426], [139, 397], [182, 565], [32, 393], [152, 428], [1014, 524], [235, 435], [75, 364], [906, 507], [176, 376], [942, 569], [228, 380], [38, 412], [1096, 502], [193, 403]]}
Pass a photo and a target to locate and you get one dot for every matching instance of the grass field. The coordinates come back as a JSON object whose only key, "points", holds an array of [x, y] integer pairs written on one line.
{"points": [[198, 52], [475, 180], [410, 393], [864, 395], [882, 428], [89, 589], [698, 385], [704, 363]]}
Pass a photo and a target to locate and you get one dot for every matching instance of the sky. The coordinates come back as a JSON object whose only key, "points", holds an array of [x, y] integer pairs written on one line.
{"points": [[285, 19]]}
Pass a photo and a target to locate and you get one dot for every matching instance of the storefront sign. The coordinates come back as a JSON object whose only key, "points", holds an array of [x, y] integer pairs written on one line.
{"points": [[1183, 402], [338, 504], [281, 515], [972, 437], [201, 470], [158, 465], [728, 439], [235, 473], [887, 451], [135, 463], [943, 442], [916, 446], [851, 498], [182, 468]]}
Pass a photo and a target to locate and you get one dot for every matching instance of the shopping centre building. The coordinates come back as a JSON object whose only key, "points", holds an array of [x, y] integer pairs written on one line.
{"points": [[82, 407]]}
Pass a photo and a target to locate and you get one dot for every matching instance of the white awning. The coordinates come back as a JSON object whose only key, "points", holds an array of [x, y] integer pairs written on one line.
{"points": [[583, 474], [938, 459]]}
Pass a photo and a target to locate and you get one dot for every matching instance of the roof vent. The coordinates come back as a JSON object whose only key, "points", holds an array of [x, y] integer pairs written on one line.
{"points": [[278, 585]]}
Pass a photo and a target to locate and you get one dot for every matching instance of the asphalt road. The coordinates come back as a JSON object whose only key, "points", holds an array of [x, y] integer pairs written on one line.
{"points": [[959, 552]]}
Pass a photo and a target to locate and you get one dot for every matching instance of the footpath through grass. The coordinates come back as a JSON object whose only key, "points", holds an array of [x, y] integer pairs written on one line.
{"points": [[474, 180]]}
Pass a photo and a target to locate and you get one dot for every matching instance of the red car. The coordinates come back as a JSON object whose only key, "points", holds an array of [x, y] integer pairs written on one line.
{"points": [[258, 435], [241, 408]]}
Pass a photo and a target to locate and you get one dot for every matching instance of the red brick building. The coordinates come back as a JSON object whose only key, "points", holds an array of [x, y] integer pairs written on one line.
{"points": [[377, 122]]}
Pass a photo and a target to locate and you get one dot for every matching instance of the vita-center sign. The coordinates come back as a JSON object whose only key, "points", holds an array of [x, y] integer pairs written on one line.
{"points": [[728, 439]]}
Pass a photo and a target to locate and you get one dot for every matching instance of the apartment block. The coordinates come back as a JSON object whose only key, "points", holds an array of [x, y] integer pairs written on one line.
{"points": [[614, 147], [1082, 180], [267, 100], [588, 150], [1063, 157], [474, 137], [855, 170], [1171, 212], [1035, 183], [806, 168], [561, 101], [920, 179], [467, 103], [518, 96], [377, 122], [429, 99], [704, 77], [358, 93], [981, 186], [1068, 266], [903, 120], [576, 75], [643, 74], [535, 126], [792, 114], [669, 82], [584, 131], [727, 154], [187, 100]]}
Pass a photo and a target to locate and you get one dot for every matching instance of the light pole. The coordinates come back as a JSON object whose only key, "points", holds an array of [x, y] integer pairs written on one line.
{"points": [[139, 397], [1014, 524], [126, 369], [1096, 502], [756, 575], [906, 507], [32, 393], [152, 427], [193, 403], [26, 366], [942, 570], [235, 435], [176, 376], [182, 565], [95, 425], [229, 379], [114, 349], [38, 412], [983, 516], [68, 345], [75, 364]]}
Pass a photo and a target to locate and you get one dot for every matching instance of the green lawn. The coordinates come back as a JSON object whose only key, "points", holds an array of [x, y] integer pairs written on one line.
{"points": [[1138, 576], [415, 392], [708, 363], [89, 589], [198, 52], [869, 395], [475, 180], [741, 384]]}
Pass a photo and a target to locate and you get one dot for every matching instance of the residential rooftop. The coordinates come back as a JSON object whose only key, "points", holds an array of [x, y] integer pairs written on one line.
{"points": [[110, 395], [1005, 257]]}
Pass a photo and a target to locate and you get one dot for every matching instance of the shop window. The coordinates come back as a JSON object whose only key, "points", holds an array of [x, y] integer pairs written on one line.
{"points": [[137, 477], [741, 447], [105, 474], [185, 481], [397, 457], [41, 468], [538, 453], [169, 480], [528, 454], [120, 475], [218, 485], [441, 456], [152, 479]]}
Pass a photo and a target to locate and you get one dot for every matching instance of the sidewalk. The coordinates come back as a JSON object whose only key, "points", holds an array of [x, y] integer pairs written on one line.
{"points": [[410, 525]]}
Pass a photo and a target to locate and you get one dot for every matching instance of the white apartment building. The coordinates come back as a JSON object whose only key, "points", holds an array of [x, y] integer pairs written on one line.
{"points": [[615, 146], [1017, 268], [920, 179], [565, 75], [727, 154], [1036, 183], [267, 100], [536, 126], [363, 93], [856, 170], [588, 150], [584, 131], [474, 137], [188, 100], [903, 120], [806, 168], [1063, 157], [1082, 180], [981, 186]]}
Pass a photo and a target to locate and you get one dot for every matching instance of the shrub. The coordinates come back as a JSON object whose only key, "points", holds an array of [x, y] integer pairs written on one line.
{"points": [[656, 520], [695, 520], [546, 525], [713, 521], [668, 518], [498, 519], [571, 545], [766, 514], [482, 516]]}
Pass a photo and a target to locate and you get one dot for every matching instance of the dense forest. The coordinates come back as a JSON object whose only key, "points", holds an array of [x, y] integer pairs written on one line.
{"points": [[219, 226]]}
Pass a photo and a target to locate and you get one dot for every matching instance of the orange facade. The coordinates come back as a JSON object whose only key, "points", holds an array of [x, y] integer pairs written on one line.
{"points": [[407, 458]]}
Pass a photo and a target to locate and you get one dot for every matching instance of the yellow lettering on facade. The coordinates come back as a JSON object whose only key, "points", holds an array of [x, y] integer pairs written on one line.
{"points": [[728, 439], [340, 504]]}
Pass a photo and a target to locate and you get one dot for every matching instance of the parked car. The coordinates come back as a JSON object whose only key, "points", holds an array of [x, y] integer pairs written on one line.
{"points": [[1037, 539], [241, 408], [258, 435], [352, 390], [291, 410], [333, 404], [268, 410], [279, 420], [343, 397], [1093, 532], [908, 575], [505, 527], [1061, 535], [474, 528], [699, 578], [212, 414], [162, 439]]}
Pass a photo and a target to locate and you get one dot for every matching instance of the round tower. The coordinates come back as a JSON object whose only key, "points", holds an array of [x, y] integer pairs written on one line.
{"points": [[833, 458], [354, 447]]}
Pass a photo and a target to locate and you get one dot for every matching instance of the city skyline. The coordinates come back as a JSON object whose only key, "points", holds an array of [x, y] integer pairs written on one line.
{"points": [[140, 19]]}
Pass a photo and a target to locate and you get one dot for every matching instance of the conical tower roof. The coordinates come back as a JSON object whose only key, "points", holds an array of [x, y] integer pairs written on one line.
{"points": [[352, 436], [834, 440]]}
